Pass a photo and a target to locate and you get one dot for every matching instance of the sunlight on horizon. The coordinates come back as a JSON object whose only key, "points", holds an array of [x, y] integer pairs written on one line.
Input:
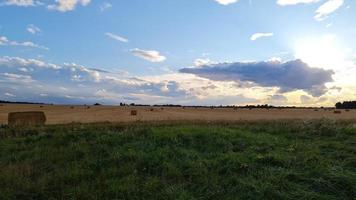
{"points": [[322, 52]]}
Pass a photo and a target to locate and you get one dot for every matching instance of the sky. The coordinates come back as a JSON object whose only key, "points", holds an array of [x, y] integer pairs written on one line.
{"points": [[188, 52]]}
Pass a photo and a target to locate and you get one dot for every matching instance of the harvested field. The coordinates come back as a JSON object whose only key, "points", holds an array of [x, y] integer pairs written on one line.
{"points": [[68, 114]]}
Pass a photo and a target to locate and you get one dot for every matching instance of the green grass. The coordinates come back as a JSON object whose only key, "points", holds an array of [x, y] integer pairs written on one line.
{"points": [[265, 160]]}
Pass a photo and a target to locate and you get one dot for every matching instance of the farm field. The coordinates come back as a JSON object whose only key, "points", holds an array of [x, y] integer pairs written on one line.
{"points": [[58, 114], [188, 160]]}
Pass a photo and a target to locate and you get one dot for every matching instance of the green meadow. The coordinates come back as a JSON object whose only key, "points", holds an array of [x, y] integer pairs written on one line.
{"points": [[180, 160]]}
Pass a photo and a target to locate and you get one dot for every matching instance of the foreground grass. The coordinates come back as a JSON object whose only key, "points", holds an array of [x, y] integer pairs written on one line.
{"points": [[266, 160]]}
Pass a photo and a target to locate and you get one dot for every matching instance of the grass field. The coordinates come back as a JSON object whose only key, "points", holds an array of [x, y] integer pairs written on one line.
{"points": [[186, 160], [64, 114]]}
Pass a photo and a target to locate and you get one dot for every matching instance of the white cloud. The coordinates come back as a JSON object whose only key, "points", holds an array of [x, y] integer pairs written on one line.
{"points": [[67, 5], [202, 62], [3, 40], [117, 37], [260, 35], [226, 2], [105, 6], [295, 2], [23, 3], [33, 29], [327, 8], [9, 94], [150, 55], [6, 42], [329, 25], [275, 60], [16, 78]]}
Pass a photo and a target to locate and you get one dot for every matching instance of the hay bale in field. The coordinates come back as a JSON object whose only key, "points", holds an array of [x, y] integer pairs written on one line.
{"points": [[152, 109], [337, 111], [26, 119], [133, 112], [72, 107]]}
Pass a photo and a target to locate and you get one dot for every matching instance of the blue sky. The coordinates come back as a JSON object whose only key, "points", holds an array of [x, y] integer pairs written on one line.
{"points": [[175, 51]]}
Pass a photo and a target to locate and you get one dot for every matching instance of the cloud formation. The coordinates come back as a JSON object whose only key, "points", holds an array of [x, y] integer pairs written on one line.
{"points": [[36, 80], [67, 5], [105, 6], [23, 3], [295, 2], [117, 37], [277, 99], [260, 35], [149, 55], [33, 29], [288, 76], [327, 8], [4, 41], [226, 2], [39, 81], [202, 61]]}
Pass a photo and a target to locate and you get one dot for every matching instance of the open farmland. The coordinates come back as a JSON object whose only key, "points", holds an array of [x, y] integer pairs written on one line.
{"points": [[59, 114]]}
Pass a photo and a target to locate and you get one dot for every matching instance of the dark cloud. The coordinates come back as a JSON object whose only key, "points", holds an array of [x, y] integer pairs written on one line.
{"points": [[288, 76]]}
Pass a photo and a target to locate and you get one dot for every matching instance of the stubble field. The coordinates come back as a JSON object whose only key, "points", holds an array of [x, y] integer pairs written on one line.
{"points": [[64, 114]]}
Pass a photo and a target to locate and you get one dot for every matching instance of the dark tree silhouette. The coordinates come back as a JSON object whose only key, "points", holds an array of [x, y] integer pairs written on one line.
{"points": [[346, 105]]}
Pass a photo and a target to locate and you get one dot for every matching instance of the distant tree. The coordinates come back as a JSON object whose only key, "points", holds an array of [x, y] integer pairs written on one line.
{"points": [[346, 105], [338, 105], [97, 104]]}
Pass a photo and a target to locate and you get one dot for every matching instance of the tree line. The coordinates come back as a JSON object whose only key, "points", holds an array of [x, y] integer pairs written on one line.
{"points": [[346, 105]]}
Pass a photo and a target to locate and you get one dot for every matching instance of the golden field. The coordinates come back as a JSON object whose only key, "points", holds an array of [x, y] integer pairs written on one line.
{"points": [[63, 114]]}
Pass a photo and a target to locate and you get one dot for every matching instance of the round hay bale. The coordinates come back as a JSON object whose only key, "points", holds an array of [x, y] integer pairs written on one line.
{"points": [[133, 112], [337, 111]]}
